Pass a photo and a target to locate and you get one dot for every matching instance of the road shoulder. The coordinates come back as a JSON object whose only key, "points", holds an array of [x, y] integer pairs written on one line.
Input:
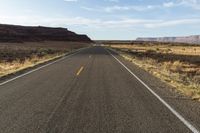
{"points": [[188, 108]]}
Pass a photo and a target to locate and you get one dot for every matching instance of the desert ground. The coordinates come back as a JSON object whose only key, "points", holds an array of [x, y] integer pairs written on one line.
{"points": [[17, 56]]}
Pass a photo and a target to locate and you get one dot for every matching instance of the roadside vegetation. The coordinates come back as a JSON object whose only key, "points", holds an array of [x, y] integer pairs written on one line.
{"points": [[176, 64], [17, 56]]}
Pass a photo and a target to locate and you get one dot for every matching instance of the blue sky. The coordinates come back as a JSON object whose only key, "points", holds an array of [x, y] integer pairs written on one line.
{"points": [[107, 19]]}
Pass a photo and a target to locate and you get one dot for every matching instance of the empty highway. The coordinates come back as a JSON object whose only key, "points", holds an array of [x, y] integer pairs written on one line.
{"points": [[93, 91]]}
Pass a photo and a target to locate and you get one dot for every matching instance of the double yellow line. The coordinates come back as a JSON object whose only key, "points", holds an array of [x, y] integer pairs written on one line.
{"points": [[79, 71]]}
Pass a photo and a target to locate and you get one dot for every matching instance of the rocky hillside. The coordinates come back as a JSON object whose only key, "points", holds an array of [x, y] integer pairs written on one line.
{"points": [[13, 33], [187, 39]]}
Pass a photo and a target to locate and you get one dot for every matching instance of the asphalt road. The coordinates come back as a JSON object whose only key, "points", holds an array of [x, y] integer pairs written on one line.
{"points": [[89, 92]]}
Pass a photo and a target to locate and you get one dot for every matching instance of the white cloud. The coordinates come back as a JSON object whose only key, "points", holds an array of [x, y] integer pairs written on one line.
{"points": [[95, 23], [46, 21], [126, 23], [122, 8], [127, 8], [195, 4], [170, 23], [115, 8], [70, 0], [90, 9], [112, 0], [169, 4]]}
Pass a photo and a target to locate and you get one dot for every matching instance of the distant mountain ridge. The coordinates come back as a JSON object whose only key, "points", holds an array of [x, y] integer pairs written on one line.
{"points": [[15, 33], [195, 39]]}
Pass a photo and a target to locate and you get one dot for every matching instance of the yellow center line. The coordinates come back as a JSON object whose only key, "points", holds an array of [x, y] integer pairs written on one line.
{"points": [[79, 71]]}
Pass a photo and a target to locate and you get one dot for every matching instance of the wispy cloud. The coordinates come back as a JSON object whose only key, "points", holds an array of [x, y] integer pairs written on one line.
{"points": [[127, 8], [195, 4], [169, 4], [70, 0], [112, 0], [115, 8], [139, 8], [90, 9], [95, 23], [170, 23]]}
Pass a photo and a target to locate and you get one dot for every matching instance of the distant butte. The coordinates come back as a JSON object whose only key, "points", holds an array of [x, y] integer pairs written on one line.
{"points": [[187, 39], [15, 33]]}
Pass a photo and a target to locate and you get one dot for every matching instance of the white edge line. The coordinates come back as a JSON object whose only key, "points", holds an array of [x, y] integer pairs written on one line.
{"points": [[29, 72], [180, 117]]}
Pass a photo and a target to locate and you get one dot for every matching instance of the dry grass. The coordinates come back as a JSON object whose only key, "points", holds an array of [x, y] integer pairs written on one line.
{"points": [[180, 50], [17, 56], [17, 65], [178, 66]]}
